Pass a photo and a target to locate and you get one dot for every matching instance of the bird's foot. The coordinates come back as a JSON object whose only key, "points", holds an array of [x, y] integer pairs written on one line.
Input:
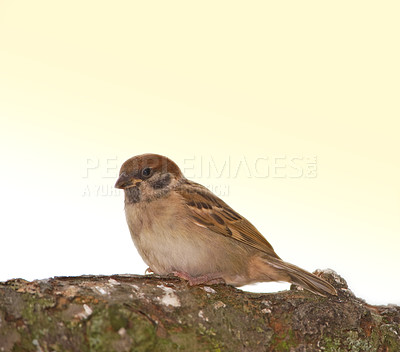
{"points": [[199, 280], [148, 271]]}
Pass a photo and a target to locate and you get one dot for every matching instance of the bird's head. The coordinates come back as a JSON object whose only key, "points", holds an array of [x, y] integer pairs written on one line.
{"points": [[147, 177]]}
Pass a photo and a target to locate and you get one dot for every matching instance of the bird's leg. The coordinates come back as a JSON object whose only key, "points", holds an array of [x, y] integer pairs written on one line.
{"points": [[199, 280], [148, 271]]}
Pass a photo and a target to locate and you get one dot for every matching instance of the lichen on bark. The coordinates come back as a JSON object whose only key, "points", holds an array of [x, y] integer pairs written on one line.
{"points": [[151, 313]]}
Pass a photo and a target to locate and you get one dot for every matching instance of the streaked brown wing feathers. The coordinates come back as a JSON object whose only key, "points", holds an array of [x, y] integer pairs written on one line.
{"points": [[207, 210]]}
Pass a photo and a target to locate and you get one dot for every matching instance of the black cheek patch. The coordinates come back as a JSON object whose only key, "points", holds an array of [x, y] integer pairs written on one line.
{"points": [[132, 194], [163, 182]]}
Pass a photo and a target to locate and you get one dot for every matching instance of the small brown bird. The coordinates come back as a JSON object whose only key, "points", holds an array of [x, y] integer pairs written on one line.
{"points": [[180, 227]]}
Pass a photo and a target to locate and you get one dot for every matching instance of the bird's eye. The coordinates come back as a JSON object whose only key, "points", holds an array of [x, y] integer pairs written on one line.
{"points": [[146, 172]]}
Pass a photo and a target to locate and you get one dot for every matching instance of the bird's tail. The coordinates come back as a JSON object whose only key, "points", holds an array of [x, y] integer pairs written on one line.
{"points": [[302, 277]]}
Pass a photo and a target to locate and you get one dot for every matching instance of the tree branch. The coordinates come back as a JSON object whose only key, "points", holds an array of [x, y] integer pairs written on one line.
{"points": [[151, 313]]}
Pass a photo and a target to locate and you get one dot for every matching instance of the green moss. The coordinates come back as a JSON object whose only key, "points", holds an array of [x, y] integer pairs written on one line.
{"points": [[351, 341], [34, 307], [355, 343], [39, 330], [118, 317], [143, 334], [34, 316], [118, 328], [390, 339], [284, 342], [332, 344]]}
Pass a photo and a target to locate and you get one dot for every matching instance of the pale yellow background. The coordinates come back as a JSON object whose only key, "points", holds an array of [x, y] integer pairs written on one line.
{"points": [[87, 84]]}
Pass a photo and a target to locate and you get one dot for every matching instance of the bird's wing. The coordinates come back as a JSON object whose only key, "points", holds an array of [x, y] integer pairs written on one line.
{"points": [[209, 211]]}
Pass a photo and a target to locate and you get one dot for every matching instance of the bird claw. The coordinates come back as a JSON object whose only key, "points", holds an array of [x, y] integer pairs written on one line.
{"points": [[148, 271]]}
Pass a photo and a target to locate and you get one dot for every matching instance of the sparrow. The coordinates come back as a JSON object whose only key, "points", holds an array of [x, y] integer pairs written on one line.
{"points": [[180, 227]]}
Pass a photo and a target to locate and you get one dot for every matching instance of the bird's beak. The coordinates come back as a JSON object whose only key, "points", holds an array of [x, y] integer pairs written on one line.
{"points": [[126, 181]]}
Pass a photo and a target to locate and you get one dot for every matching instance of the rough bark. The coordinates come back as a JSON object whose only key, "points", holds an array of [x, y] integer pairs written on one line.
{"points": [[150, 313]]}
